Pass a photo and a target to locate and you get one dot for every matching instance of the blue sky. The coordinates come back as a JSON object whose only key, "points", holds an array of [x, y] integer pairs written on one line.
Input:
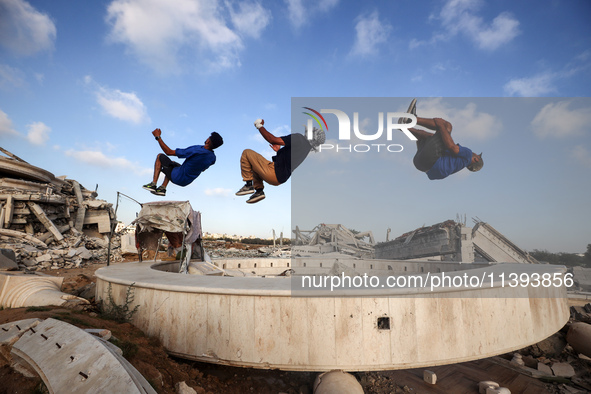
{"points": [[83, 84]]}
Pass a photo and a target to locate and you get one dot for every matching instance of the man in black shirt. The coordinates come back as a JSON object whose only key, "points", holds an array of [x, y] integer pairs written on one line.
{"points": [[291, 151]]}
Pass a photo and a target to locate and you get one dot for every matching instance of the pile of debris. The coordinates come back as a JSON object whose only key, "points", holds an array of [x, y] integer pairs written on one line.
{"points": [[223, 249], [330, 238], [50, 222], [564, 359]]}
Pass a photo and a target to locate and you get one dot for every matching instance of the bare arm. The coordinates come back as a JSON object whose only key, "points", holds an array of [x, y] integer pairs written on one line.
{"points": [[167, 151], [270, 138]]}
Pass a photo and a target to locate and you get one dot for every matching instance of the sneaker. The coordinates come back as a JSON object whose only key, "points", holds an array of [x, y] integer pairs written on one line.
{"points": [[160, 191], [256, 197], [412, 109], [151, 187], [245, 190]]}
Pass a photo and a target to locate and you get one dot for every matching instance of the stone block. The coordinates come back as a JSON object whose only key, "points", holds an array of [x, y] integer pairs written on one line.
{"points": [[498, 390], [429, 376], [7, 263], [183, 388], [545, 369], [563, 370], [486, 384], [44, 258]]}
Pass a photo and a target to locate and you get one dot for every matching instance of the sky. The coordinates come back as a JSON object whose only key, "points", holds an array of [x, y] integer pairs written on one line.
{"points": [[83, 84]]}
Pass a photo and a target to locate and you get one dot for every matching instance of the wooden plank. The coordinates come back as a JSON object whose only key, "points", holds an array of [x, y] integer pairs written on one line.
{"points": [[36, 209]]}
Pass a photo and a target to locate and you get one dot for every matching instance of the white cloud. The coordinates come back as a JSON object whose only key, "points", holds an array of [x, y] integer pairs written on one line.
{"points": [[503, 29], [121, 105], [558, 120], [545, 82], [165, 34], [582, 155], [6, 125], [24, 30], [535, 86], [38, 133], [218, 191], [300, 14], [297, 13], [459, 17], [370, 33], [10, 77], [250, 19], [468, 123], [99, 159]]}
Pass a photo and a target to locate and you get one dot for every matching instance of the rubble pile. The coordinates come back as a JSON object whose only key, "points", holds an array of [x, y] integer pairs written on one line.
{"points": [[51, 222], [329, 238], [560, 359], [447, 224], [222, 249]]}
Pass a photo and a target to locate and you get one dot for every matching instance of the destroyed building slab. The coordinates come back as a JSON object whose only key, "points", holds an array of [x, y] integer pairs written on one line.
{"points": [[453, 241], [49, 221], [332, 238]]}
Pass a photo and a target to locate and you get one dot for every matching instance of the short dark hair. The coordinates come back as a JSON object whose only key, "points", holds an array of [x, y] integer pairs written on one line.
{"points": [[216, 140]]}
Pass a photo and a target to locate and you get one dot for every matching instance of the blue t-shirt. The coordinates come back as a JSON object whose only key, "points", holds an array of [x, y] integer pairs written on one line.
{"points": [[197, 160], [450, 163]]}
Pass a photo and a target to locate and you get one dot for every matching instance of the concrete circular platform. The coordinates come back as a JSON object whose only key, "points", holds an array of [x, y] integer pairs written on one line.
{"points": [[263, 322]]}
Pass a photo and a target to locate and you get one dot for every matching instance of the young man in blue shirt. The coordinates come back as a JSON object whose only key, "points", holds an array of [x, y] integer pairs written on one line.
{"points": [[437, 154], [198, 158]]}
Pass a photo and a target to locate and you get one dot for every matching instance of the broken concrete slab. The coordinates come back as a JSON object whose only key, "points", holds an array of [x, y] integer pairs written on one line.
{"points": [[42, 210], [183, 388], [18, 289], [69, 359], [545, 369], [8, 260], [563, 370]]}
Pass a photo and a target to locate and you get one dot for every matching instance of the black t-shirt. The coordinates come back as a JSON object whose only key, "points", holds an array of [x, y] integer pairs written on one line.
{"points": [[291, 155]]}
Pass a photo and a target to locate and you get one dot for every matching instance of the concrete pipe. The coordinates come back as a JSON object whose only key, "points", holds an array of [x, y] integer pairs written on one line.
{"points": [[337, 382], [579, 337]]}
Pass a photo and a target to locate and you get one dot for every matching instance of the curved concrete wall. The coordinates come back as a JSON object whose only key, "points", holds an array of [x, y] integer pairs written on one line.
{"points": [[256, 322]]}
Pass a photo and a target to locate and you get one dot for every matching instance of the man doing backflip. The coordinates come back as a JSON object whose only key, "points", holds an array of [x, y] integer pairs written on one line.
{"points": [[291, 150], [198, 158], [437, 154]]}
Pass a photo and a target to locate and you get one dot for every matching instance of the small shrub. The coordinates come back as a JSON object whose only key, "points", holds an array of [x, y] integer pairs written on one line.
{"points": [[119, 313]]}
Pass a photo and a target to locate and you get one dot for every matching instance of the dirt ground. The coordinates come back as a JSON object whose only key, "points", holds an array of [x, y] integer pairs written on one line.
{"points": [[162, 371]]}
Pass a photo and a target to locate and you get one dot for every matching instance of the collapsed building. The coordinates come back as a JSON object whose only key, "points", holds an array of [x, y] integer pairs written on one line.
{"points": [[454, 241], [50, 222], [332, 238]]}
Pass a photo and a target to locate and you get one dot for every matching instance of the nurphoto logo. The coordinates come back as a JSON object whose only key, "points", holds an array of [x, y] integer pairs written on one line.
{"points": [[391, 123]]}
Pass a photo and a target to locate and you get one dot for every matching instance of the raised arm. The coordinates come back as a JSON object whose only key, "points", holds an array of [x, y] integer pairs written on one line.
{"points": [[167, 151], [270, 138]]}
